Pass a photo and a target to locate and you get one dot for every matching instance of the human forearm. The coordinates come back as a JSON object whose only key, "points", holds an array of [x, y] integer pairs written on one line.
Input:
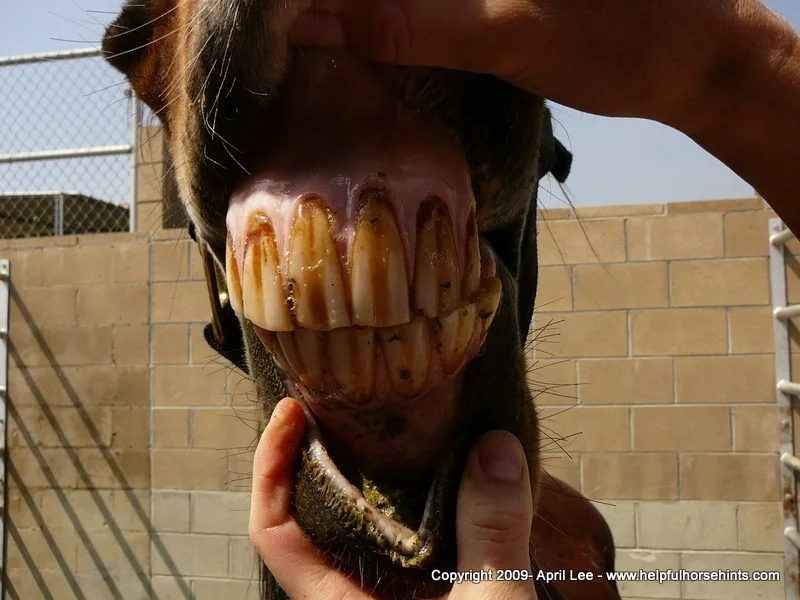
{"points": [[747, 110]]}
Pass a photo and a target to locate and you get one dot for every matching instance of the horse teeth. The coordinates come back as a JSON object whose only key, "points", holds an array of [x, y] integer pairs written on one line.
{"points": [[453, 336], [301, 355], [472, 277], [436, 274], [406, 352], [378, 266], [314, 270], [351, 355], [487, 301], [232, 278], [264, 297]]}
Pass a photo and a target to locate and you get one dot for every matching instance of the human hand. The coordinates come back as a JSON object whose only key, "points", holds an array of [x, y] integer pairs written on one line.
{"points": [[493, 518], [651, 59]]}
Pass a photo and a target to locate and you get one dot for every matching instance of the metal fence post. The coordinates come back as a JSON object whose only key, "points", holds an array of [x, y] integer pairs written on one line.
{"points": [[5, 298], [135, 118]]}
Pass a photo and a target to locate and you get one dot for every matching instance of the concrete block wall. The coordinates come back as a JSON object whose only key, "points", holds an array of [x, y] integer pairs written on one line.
{"points": [[131, 441], [654, 369]]}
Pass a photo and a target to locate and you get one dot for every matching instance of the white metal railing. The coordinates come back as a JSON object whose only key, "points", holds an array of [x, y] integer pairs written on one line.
{"points": [[87, 152], [5, 297], [786, 390]]}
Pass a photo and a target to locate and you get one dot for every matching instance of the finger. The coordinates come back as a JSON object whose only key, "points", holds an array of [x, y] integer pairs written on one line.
{"points": [[299, 566], [495, 510]]}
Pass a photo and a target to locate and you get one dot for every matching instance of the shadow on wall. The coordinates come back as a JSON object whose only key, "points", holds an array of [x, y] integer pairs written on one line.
{"points": [[79, 502]]}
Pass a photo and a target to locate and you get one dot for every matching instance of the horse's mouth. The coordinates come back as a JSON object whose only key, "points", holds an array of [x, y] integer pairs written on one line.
{"points": [[353, 252]]}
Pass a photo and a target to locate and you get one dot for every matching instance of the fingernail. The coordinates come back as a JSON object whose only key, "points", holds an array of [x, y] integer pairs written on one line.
{"points": [[317, 28], [500, 457]]}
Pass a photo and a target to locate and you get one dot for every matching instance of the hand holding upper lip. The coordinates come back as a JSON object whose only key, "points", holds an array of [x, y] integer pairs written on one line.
{"points": [[495, 510]]}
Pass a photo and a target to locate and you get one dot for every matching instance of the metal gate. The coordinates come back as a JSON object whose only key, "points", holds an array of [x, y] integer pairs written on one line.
{"points": [[787, 390]]}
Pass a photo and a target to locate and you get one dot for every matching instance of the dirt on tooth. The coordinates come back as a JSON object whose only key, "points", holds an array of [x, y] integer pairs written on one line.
{"points": [[378, 266], [454, 336], [437, 283], [351, 355], [232, 279], [263, 294], [318, 290], [406, 353]]}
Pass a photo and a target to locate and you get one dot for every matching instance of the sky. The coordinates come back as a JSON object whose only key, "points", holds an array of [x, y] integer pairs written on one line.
{"points": [[617, 161]]}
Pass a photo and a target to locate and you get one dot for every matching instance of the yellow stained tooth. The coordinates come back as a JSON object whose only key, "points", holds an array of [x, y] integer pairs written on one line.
{"points": [[454, 335], [487, 300], [406, 353], [264, 297], [472, 278], [233, 279], [351, 354], [314, 268], [310, 349], [296, 350], [437, 284], [378, 266]]}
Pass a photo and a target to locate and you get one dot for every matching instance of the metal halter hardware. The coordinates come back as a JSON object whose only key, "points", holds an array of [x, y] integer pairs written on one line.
{"points": [[224, 332]]}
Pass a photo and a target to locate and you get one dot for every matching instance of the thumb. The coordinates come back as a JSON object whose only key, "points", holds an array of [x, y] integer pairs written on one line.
{"points": [[495, 510], [423, 33]]}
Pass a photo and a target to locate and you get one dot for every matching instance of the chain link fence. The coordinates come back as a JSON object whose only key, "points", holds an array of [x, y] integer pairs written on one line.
{"points": [[67, 146]]}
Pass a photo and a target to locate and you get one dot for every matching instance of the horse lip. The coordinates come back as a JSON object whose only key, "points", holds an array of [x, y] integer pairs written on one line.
{"points": [[407, 547]]}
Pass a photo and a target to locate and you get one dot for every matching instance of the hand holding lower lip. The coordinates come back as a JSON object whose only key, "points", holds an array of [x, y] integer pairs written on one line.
{"points": [[495, 510]]}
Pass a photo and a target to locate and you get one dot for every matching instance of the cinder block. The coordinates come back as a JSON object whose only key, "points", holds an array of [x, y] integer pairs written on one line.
{"points": [[171, 588], [188, 386], [725, 379], [122, 468], [678, 332], [621, 518], [26, 267], [633, 285], [41, 468], [687, 525], [131, 344], [681, 428], [177, 469], [580, 335], [89, 427], [564, 467], [170, 344], [180, 302], [554, 290], [594, 428], [675, 237], [192, 555], [94, 386], [42, 307], [626, 381], [171, 511], [743, 477], [750, 330], [761, 527], [213, 589], [225, 428], [201, 352], [130, 262], [113, 304], [170, 427], [571, 242], [720, 282], [624, 476], [220, 512], [755, 428], [244, 561], [170, 261], [647, 560], [77, 265], [746, 233], [108, 552], [550, 381], [733, 590], [715, 206]]}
